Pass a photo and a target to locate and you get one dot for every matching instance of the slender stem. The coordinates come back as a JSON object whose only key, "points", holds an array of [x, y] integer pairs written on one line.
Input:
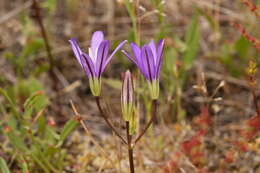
{"points": [[130, 149], [36, 8], [107, 120], [154, 106]]}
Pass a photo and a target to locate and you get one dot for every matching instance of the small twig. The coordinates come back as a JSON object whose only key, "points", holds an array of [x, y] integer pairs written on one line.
{"points": [[130, 149], [107, 120], [154, 112]]}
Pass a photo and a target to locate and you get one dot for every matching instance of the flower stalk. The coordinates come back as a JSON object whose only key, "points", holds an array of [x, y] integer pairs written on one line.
{"points": [[97, 98], [154, 112], [130, 148]]}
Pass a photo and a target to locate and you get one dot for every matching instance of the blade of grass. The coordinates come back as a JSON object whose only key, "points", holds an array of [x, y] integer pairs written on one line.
{"points": [[3, 166]]}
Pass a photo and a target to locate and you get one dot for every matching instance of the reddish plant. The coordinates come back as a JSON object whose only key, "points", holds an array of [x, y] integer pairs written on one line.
{"points": [[173, 165], [253, 40], [229, 157], [254, 122], [193, 148], [204, 119], [242, 145], [253, 8]]}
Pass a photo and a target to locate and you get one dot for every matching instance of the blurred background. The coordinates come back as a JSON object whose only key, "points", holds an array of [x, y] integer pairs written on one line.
{"points": [[205, 46]]}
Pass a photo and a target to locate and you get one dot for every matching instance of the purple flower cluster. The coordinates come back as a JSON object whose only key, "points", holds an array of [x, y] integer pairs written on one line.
{"points": [[148, 59]]}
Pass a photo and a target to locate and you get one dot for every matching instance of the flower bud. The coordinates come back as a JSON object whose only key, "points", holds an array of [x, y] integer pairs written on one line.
{"points": [[127, 97]]}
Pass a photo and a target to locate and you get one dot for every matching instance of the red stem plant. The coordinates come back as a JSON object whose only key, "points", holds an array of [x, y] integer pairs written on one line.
{"points": [[253, 8]]}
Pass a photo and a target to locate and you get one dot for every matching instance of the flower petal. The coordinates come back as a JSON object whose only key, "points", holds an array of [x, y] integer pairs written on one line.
{"points": [[148, 63], [129, 57], [160, 57], [101, 57], [150, 57], [154, 51], [113, 53], [76, 50], [160, 47], [136, 50], [88, 65], [96, 40]]}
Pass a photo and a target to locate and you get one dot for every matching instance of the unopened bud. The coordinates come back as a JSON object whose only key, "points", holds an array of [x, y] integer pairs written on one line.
{"points": [[127, 97]]}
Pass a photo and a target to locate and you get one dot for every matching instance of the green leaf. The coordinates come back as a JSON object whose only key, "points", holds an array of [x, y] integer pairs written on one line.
{"points": [[39, 161], [16, 140], [13, 106], [3, 166], [32, 89], [242, 46], [192, 38], [36, 101], [68, 128], [32, 47], [24, 165], [50, 4]]}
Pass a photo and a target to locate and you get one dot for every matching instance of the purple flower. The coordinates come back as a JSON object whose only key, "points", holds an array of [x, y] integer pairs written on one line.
{"points": [[149, 61], [94, 63]]}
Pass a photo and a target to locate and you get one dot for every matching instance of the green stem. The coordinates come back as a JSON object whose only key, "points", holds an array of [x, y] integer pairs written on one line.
{"points": [[154, 112]]}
